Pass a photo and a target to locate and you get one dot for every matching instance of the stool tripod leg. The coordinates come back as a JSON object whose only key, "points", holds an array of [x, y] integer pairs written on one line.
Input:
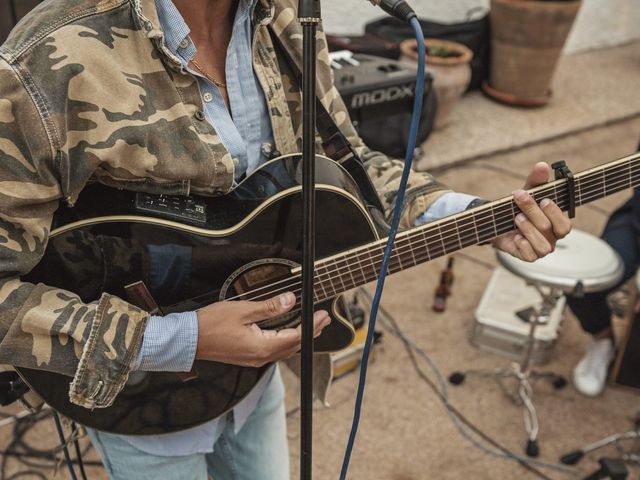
{"points": [[530, 416], [557, 381], [458, 378], [575, 456]]}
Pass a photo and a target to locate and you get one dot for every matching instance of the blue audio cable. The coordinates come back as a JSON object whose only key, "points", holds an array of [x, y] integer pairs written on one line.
{"points": [[409, 15]]}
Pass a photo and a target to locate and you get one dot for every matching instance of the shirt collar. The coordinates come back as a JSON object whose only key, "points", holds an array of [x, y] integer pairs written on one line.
{"points": [[173, 26], [176, 30]]}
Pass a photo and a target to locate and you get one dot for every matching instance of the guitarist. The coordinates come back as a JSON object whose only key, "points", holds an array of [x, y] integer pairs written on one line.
{"points": [[174, 97]]}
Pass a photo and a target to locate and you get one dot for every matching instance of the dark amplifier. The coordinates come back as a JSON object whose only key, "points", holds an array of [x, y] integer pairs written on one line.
{"points": [[379, 94]]}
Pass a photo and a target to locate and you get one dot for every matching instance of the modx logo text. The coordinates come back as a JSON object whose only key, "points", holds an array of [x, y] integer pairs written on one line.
{"points": [[381, 95]]}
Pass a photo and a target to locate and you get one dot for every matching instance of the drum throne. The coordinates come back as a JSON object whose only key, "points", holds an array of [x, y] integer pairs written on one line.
{"points": [[582, 263]]}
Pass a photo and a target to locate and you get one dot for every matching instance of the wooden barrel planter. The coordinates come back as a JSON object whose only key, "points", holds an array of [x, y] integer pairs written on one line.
{"points": [[527, 38], [449, 63]]}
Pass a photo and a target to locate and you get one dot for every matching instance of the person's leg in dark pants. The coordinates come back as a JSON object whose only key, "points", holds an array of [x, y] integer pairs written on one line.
{"points": [[592, 310]]}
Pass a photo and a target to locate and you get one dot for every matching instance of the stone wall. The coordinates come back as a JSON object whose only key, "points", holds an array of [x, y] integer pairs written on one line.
{"points": [[601, 23]]}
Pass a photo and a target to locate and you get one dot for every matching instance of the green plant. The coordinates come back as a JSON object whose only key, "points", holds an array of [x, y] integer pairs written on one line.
{"points": [[442, 51]]}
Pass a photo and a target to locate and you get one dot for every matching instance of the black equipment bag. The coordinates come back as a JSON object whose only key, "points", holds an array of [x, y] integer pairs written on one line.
{"points": [[474, 34], [379, 94]]}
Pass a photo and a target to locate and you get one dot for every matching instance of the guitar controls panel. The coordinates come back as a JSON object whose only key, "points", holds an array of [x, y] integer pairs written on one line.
{"points": [[173, 207]]}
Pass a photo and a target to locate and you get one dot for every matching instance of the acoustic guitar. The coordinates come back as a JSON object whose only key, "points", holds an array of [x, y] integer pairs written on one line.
{"points": [[247, 245]]}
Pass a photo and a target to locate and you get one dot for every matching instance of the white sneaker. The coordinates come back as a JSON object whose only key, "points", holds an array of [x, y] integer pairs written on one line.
{"points": [[590, 375]]}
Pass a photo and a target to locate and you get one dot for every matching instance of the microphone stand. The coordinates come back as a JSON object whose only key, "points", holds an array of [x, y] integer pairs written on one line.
{"points": [[309, 17]]}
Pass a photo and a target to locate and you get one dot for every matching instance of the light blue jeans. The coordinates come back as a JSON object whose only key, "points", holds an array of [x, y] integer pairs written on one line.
{"points": [[258, 452]]}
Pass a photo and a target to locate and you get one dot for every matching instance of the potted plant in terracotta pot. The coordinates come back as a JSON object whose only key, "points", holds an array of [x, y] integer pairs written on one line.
{"points": [[527, 38], [449, 63]]}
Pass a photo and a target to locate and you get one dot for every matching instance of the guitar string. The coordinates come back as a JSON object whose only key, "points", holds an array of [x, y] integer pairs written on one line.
{"points": [[358, 280], [406, 241], [437, 252], [361, 279], [586, 180], [372, 270], [400, 250], [398, 260], [583, 180]]}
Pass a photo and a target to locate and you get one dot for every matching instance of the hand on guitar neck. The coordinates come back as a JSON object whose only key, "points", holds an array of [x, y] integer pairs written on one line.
{"points": [[540, 226], [228, 332]]}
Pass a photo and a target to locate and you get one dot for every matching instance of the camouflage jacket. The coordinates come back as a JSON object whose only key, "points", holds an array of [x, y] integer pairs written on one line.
{"points": [[90, 93]]}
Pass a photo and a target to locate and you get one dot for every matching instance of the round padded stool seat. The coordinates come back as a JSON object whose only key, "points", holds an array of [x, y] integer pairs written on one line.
{"points": [[579, 257]]}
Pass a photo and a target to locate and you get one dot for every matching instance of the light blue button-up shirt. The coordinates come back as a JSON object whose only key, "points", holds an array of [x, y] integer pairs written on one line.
{"points": [[170, 342]]}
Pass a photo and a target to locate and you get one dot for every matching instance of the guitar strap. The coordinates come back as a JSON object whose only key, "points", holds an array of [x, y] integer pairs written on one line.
{"points": [[334, 142]]}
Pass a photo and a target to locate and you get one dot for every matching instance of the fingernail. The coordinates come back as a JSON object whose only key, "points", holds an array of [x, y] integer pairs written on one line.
{"points": [[519, 194], [545, 202], [517, 237], [286, 299], [520, 218], [326, 321]]}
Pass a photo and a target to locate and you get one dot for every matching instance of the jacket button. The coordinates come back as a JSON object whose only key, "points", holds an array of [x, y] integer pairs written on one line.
{"points": [[200, 115], [208, 97]]}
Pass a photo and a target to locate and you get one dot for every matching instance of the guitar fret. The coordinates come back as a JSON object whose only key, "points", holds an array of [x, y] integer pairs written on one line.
{"points": [[353, 281], [495, 226], [364, 275], [455, 223], [413, 256], [440, 237], [449, 235], [324, 291], [579, 192], [475, 228], [425, 241], [400, 265], [339, 276], [373, 267]]}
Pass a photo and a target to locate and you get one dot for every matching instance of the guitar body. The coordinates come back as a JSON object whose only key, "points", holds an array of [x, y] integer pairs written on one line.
{"points": [[191, 252]]}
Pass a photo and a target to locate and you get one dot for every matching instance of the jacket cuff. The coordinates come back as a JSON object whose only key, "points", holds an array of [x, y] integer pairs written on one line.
{"points": [[418, 201], [109, 353], [448, 204]]}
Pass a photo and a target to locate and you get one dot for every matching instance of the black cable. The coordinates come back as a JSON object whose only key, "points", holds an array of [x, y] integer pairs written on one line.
{"points": [[506, 453], [63, 442], [31, 457], [461, 417], [20, 428], [22, 455], [30, 474], [76, 444]]}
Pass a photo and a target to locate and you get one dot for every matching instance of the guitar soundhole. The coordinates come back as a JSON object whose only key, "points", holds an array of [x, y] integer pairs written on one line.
{"points": [[262, 280]]}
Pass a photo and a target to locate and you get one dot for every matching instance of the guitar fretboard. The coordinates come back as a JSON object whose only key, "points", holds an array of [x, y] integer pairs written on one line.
{"points": [[359, 266]]}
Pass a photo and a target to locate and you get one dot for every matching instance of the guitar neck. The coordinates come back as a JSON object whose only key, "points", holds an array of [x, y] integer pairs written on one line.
{"points": [[353, 268]]}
